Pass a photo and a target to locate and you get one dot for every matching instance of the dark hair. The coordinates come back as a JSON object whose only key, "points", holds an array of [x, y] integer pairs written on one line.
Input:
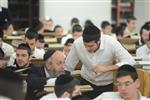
{"points": [[24, 46], [105, 24], [91, 33], [146, 26], [37, 25], [11, 85], [88, 23], [31, 34], [69, 41], [57, 26], [131, 18], [76, 28], [67, 85], [74, 21], [126, 70], [6, 25], [40, 38]]}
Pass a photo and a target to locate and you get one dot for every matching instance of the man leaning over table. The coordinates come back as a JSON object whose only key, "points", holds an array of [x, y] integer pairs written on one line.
{"points": [[97, 53]]}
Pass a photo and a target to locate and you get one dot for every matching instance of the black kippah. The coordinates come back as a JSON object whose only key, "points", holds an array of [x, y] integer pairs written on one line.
{"points": [[49, 53], [127, 68], [63, 79], [91, 33], [69, 41]]}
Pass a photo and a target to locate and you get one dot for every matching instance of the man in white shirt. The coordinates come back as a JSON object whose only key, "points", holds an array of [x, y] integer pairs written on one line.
{"points": [[65, 87], [7, 48], [76, 33], [67, 46], [97, 53], [39, 47], [131, 26], [107, 29], [144, 51], [127, 83], [30, 39]]}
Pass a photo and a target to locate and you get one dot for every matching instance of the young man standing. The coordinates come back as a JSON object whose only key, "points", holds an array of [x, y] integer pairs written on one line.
{"points": [[97, 53]]}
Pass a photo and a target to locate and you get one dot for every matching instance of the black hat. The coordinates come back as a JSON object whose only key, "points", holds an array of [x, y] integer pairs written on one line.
{"points": [[49, 53], [127, 68], [2, 54], [91, 33]]}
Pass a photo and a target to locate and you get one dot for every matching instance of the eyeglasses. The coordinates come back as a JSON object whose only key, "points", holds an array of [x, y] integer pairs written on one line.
{"points": [[126, 84]]}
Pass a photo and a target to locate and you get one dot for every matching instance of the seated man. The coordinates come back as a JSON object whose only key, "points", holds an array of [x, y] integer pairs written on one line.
{"points": [[127, 83], [30, 39], [23, 57], [107, 29], [67, 88], [38, 76], [39, 47], [76, 33], [130, 27], [144, 51], [58, 31], [7, 48], [67, 46]]}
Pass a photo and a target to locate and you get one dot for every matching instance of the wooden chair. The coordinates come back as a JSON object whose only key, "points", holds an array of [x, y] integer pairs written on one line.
{"points": [[144, 77], [145, 82]]}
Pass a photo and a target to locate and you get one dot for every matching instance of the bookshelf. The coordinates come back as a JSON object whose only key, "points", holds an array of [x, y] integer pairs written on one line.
{"points": [[23, 12], [121, 10]]}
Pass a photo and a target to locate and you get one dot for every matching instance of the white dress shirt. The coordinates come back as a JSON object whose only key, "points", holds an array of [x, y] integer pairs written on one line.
{"points": [[38, 53], [52, 96], [127, 32], [7, 48], [115, 96], [64, 39], [143, 52], [110, 50]]}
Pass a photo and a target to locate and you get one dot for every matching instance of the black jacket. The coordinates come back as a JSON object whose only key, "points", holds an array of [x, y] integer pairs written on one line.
{"points": [[36, 80]]}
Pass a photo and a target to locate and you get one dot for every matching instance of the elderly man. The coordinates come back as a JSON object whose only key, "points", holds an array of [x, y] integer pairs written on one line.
{"points": [[37, 76]]}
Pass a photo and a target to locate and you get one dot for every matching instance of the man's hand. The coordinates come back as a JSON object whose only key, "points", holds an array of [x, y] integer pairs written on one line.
{"points": [[99, 69]]}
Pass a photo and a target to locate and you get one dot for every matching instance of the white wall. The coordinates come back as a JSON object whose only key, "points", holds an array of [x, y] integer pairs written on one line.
{"points": [[4, 3], [142, 12], [62, 11]]}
